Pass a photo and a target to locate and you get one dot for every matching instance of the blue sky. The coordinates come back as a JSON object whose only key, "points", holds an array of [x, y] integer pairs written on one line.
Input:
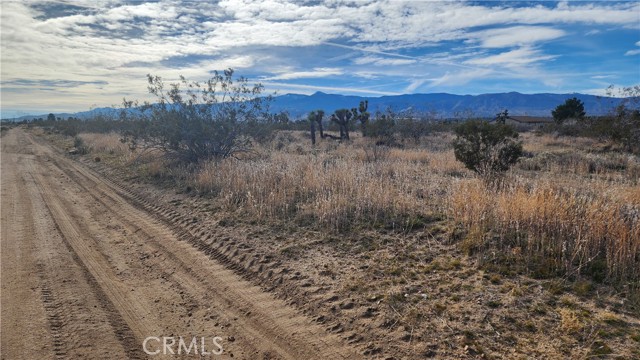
{"points": [[59, 56]]}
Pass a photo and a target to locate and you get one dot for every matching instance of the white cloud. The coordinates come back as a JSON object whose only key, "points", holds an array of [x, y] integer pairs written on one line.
{"points": [[315, 73], [598, 77], [633, 52], [380, 61], [459, 77], [414, 85], [515, 36], [513, 58], [335, 89]]}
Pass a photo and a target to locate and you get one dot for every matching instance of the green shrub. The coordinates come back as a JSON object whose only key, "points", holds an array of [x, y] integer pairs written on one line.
{"points": [[487, 149], [193, 121], [382, 129]]}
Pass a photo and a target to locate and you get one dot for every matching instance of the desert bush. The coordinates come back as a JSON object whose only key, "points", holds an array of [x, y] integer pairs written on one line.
{"points": [[624, 128], [382, 128], [487, 149], [412, 128], [67, 127], [80, 146], [193, 122]]}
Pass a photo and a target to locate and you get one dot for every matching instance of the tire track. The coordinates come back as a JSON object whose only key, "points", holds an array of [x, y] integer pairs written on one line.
{"points": [[213, 250], [68, 322], [266, 324], [64, 226], [53, 315]]}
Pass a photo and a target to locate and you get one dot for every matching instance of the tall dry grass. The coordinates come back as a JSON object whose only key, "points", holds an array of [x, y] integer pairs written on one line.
{"points": [[108, 144], [336, 190], [565, 207], [564, 228]]}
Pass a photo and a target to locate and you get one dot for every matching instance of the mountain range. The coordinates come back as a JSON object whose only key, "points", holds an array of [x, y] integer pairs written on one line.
{"points": [[445, 105], [442, 105]]}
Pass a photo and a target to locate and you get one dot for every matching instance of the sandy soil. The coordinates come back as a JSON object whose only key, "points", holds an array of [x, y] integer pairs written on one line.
{"points": [[89, 272]]}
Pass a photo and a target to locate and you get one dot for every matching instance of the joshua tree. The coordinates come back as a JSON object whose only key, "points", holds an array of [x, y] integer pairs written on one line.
{"points": [[361, 114], [316, 117], [501, 117], [342, 117]]}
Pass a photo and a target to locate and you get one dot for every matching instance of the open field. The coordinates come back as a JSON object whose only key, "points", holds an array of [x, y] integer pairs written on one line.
{"points": [[391, 252], [319, 180]]}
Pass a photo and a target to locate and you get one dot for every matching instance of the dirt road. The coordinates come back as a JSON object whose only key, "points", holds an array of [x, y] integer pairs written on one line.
{"points": [[88, 274]]}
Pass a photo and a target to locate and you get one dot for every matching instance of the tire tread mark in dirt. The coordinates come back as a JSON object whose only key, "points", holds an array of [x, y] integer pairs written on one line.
{"points": [[178, 230], [178, 227], [158, 213], [123, 333], [52, 309], [181, 233]]}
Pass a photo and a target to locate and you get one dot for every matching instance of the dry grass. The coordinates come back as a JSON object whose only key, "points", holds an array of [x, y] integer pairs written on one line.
{"points": [[564, 227], [334, 189], [109, 147], [563, 208], [570, 321], [573, 208], [105, 143]]}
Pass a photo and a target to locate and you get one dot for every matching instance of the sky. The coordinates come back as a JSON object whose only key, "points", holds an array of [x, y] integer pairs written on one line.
{"points": [[68, 56]]}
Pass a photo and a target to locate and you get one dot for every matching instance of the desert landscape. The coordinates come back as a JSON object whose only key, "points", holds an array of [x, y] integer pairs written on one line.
{"points": [[319, 180]]}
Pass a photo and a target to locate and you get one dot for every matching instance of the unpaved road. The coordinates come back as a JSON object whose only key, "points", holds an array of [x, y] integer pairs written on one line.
{"points": [[87, 274]]}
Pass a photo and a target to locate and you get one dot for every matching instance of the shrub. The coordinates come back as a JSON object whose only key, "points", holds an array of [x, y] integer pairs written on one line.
{"points": [[193, 121], [487, 149], [624, 127], [80, 145], [382, 128]]}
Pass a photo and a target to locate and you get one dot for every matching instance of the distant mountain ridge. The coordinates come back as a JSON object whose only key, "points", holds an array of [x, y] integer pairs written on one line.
{"points": [[446, 105], [443, 105]]}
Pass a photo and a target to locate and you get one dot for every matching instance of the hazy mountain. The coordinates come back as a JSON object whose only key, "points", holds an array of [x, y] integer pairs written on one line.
{"points": [[445, 105], [442, 104]]}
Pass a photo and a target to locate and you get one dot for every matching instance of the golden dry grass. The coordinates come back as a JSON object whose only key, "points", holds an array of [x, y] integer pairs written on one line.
{"points": [[567, 204], [105, 143], [568, 226], [334, 189]]}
